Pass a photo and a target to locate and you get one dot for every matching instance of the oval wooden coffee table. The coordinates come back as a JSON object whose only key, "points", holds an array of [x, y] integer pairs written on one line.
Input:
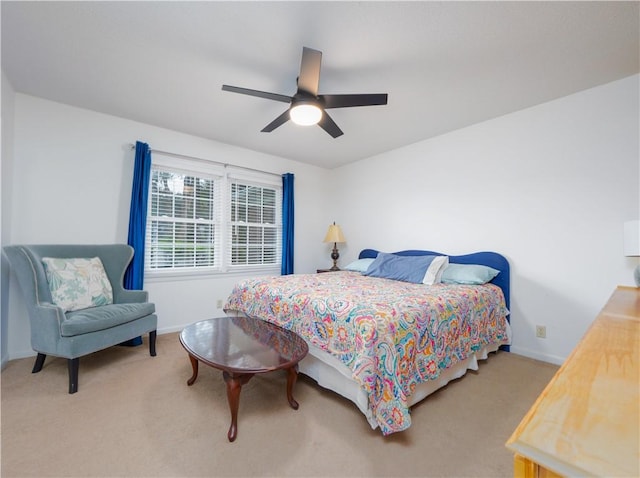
{"points": [[242, 347]]}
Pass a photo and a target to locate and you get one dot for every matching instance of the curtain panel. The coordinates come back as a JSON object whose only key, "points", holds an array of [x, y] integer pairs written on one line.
{"points": [[134, 276], [287, 224]]}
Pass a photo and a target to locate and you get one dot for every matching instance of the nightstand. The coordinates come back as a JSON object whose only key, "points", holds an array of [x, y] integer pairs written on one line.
{"points": [[325, 270]]}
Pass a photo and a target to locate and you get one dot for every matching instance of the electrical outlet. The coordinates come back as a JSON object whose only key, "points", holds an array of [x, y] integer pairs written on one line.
{"points": [[541, 331], [219, 304]]}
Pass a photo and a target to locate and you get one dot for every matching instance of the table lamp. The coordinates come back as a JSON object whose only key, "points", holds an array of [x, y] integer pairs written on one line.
{"points": [[334, 234], [632, 245]]}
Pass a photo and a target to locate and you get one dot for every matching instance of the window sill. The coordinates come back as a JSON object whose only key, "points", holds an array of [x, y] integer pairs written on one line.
{"points": [[166, 276]]}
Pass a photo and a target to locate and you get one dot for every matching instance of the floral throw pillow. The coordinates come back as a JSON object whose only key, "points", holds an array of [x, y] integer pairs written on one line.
{"points": [[77, 283]]}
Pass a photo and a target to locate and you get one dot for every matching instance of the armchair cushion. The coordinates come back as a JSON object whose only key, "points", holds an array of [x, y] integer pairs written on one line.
{"points": [[77, 283], [103, 318]]}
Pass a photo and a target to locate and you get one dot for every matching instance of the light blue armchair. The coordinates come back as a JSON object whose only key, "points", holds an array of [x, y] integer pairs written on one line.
{"points": [[80, 332]]}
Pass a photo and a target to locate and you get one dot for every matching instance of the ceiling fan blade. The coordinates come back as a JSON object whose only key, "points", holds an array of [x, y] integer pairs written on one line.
{"points": [[344, 101], [310, 70], [279, 121], [259, 94], [330, 126]]}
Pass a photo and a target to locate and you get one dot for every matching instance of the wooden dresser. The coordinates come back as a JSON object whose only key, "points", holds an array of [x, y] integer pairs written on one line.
{"points": [[586, 422]]}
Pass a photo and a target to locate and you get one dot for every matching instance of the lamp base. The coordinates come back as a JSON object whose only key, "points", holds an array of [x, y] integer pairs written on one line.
{"points": [[335, 256], [636, 275]]}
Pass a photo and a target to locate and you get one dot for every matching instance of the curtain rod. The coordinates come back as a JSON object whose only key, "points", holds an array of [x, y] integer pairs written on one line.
{"points": [[184, 156]]}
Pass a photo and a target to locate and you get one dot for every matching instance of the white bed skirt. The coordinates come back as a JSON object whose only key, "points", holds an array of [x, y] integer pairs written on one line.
{"points": [[330, 373]]}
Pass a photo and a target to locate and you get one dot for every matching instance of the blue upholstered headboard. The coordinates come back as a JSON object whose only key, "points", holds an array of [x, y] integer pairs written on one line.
{"points": [[491, 259]]}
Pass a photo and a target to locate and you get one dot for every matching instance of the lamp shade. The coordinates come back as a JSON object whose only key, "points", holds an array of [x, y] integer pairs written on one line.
{"points": [[632, 238], [334, 234]]}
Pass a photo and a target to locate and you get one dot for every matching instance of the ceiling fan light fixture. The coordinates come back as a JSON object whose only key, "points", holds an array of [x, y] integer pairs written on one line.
{"points": [[305, 114], [306, 107]]}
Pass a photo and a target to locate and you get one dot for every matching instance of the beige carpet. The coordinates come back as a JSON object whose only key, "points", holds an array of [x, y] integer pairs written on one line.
{"points": [[135, 416]]}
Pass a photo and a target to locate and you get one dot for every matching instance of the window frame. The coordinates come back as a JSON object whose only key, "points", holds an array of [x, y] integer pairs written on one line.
{"points": [[225, 176]]}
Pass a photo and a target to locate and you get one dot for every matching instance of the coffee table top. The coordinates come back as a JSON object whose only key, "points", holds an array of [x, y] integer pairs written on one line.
{"points": [[243, 344]]}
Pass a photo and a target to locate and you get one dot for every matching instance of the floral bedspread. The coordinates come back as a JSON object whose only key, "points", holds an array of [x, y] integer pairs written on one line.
{"points": [[393, 335]]}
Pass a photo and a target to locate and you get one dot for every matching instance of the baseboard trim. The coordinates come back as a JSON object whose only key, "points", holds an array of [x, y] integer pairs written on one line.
{"points": [[170, 330], [31, 353], [178, 328], [554, 359]]}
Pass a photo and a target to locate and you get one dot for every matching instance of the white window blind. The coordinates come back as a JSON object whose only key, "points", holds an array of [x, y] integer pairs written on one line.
{"points": [[255, 224], [184, 220]]}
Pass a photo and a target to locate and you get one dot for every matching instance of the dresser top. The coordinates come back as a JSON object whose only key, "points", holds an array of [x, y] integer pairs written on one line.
{"points": [[586, 421]]}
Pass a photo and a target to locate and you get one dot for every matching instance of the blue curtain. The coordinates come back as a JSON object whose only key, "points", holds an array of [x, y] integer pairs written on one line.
{"points": [[287, 224], [134, 276]]}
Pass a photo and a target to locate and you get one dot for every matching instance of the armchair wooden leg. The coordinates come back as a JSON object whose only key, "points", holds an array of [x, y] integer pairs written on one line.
{"points": [[152, 343], [39, 363], [74, 365]]}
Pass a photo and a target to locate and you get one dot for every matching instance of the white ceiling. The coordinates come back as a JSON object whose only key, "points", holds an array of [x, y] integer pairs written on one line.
{"points": [[445, 65]]}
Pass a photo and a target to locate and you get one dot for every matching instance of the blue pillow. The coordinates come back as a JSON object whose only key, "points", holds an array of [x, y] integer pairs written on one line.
{"points": [[404, 268], [361, 265], [474, 274]]}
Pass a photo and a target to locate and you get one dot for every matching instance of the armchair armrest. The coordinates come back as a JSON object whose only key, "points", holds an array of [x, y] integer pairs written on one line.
{"points": [[125, 296], [45, 327]]}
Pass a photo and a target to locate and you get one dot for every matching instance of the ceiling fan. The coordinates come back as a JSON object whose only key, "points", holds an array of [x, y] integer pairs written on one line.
{"points": [[307, 107]]}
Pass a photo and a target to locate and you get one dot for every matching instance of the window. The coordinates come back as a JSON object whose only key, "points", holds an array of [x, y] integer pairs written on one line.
{"points": [[254, 231], [206, 218]]}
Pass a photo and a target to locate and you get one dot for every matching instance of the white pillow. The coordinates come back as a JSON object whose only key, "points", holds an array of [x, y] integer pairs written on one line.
{"points": [[77, 283], [435, 270]]}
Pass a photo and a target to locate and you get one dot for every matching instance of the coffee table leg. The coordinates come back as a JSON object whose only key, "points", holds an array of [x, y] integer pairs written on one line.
{"points": [[194, 366], [234, 384], [292, 376]]}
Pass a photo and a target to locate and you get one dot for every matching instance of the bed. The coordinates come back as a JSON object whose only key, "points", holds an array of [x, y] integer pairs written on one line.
{"points": [[383, 343]]}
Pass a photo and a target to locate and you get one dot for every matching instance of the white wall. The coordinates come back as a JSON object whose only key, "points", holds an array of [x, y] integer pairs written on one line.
{"points": [[6, 172], [549, 187], [72, 184]]}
